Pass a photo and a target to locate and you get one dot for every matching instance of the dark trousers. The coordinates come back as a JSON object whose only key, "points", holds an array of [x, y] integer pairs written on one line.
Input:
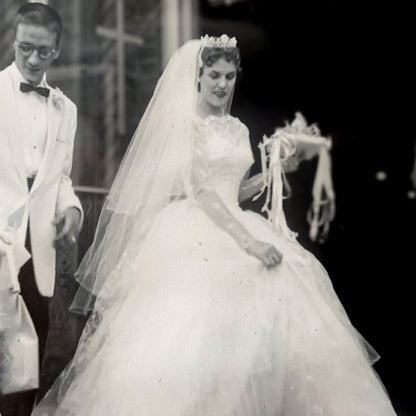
{"points": [[21, 404]]}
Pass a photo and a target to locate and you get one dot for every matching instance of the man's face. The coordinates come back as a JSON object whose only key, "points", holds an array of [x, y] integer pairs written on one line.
{"points": [[35, 50]]}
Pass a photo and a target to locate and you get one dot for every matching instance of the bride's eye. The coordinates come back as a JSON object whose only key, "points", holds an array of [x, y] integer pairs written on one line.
{"points": [[214, 74], [230, 76]]}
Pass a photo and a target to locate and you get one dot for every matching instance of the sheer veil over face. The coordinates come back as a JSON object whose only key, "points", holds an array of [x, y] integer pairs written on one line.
{"points": [[156, 169]]}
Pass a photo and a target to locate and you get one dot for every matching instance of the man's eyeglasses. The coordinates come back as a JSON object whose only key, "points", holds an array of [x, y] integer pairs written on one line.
{"points": [[26, 49]]}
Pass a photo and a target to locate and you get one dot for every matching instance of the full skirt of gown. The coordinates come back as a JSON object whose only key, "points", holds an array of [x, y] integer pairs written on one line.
{"points": [[194, 326]]}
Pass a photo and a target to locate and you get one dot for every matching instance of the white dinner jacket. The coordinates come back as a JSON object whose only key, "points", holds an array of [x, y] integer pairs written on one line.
{"points": [[52, 190]]}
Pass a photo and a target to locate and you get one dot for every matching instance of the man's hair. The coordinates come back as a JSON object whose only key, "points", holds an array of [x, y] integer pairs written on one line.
{"points": [[39, 14]]}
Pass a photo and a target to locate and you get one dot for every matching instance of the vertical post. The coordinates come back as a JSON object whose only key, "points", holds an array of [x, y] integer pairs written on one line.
{"points": [[8, 10], [109, 131], [178, 19], [121, 119], [186, 20], [110, 54], [75, 54], [170, 29]]}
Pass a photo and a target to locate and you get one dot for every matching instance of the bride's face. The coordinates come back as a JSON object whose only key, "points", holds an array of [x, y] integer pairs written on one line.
{"points": [[217, 82]]}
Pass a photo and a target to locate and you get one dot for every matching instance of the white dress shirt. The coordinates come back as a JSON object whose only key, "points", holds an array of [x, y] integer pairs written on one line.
{"points": [[32, 113]]}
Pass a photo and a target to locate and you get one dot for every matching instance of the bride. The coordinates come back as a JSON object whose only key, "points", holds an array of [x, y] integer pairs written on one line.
{"points": [[201, 308]]}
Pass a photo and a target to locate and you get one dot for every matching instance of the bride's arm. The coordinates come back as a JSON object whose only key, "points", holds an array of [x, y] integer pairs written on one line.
{"points": [[250, 186], [216, 209], [253, 185]]}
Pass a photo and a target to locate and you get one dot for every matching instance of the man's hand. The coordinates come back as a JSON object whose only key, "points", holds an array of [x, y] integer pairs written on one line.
{"points": [[68, 226], [7, 239], [8, 235], [3, 247]]}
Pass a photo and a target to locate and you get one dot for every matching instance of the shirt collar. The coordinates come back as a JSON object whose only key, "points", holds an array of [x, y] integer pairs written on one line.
{"points": [[18, 78]]}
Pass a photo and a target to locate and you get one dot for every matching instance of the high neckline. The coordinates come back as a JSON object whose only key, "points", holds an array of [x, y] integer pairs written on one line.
{"points": [[214, 116]]}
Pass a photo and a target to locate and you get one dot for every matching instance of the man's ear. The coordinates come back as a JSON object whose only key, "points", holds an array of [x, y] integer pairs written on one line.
{"points": [[56, 54]]}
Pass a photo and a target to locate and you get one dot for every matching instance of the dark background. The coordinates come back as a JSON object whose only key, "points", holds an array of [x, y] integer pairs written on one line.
{"points": [[346, 65]]}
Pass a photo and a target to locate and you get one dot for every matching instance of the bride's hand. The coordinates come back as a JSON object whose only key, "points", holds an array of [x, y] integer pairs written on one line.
{"points": [[265, 252]]}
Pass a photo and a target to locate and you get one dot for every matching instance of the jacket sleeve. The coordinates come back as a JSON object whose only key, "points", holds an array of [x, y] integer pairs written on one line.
{"points": [[66, 196]]}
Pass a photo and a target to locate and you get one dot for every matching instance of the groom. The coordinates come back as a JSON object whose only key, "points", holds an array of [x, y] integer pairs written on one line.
{"points": [[37, 130]]}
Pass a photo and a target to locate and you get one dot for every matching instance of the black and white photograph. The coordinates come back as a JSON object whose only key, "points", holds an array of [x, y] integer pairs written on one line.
{"points": [[207, 207]]}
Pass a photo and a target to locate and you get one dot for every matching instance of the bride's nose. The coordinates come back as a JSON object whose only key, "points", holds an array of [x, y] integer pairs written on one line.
{"points": [[221, 83]]}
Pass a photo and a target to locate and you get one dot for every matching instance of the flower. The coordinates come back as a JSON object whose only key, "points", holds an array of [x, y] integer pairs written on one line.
{"points": [[57, 99]]}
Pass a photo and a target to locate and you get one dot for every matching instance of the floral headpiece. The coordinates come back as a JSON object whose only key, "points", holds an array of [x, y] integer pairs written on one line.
{"points": [[216, 42]]}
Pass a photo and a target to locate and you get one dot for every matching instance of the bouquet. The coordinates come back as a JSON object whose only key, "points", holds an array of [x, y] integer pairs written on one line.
{"points": [[296, 142]]}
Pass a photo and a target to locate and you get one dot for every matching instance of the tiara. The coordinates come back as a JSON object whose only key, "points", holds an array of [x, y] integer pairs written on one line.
{"points": [[218, 42]]}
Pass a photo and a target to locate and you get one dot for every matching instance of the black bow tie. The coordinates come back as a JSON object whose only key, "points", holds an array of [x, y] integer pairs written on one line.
{"points": [[24, 87]]}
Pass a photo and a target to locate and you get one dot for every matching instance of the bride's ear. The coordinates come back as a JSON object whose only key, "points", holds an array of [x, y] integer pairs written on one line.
{"points": [[199, 85]]}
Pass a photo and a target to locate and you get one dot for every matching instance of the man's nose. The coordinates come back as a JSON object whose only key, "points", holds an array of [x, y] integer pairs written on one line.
{"points": [[33, 58]]}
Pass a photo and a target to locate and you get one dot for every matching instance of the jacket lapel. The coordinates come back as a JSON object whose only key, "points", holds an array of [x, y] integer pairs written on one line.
{"points": [[54, 118]]}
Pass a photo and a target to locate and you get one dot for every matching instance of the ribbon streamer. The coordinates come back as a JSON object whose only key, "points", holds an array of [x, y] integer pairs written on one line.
{"points": [[278, 148], [274, 151]]}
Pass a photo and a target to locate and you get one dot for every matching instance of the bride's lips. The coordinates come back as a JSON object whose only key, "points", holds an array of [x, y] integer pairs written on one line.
{"points": [[220, 94]]}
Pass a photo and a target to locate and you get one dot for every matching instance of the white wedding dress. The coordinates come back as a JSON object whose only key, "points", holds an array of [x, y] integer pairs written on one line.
{"points": [[195, 326]]}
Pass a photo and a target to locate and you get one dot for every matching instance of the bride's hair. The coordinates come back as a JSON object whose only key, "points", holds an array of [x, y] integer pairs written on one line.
{"points": [[211, 55]]}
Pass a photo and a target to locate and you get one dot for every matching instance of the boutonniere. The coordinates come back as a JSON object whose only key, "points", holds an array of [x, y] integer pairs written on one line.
{"points": [[57, 99]]}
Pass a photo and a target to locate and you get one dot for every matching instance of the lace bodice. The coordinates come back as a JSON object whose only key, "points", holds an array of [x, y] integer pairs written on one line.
{"points": [[223, 156]]}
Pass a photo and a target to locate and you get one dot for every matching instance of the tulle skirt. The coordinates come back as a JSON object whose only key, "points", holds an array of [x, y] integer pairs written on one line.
{"points": [[193, 326]]}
